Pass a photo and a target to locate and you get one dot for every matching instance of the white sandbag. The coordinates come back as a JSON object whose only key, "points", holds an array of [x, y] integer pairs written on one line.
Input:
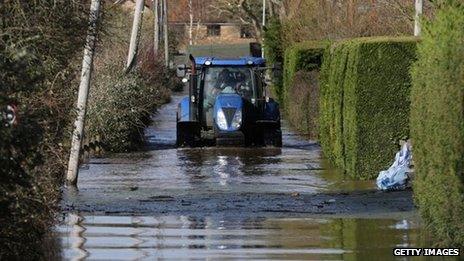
{"points": [[396, 176]]}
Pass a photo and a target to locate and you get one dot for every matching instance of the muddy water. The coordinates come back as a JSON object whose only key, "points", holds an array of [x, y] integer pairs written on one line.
{"points": [[237, 203], [182, 237]]}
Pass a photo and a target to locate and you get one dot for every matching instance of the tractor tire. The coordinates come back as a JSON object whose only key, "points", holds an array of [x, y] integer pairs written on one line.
{"points": [[185, 137], [273, 138]]}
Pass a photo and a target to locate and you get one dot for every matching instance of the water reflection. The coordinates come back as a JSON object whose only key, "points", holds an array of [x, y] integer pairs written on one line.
{"points": [[189, 237]]}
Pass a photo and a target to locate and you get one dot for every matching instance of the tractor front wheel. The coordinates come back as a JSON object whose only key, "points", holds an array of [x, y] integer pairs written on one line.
{"points": [[273, 138], [186, 137]]}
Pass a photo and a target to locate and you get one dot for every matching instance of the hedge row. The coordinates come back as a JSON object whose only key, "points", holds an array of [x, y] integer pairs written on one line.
{"points": [[305, 56], [331, 101], [39, 43], [437, 126], [120, 104], [364, 105], [300, 93]]}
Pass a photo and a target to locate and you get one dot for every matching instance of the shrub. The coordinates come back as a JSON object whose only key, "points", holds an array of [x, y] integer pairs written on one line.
{"points": [[437, 126], [120, 104], [39, 43], [365, 103], [331, 103], [119, 108], [376, 103], [305, 56], [303, 111], [273, 48], [301, 89]]}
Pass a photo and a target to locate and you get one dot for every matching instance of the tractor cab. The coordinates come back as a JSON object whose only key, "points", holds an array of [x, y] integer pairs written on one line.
{"points": [[228, 104]]}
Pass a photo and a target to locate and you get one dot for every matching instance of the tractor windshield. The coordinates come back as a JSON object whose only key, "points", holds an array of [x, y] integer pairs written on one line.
{"points": [[226, 80]]}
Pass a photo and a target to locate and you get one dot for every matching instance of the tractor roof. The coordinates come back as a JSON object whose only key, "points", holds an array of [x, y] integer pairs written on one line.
{"points": [[242, 61]]}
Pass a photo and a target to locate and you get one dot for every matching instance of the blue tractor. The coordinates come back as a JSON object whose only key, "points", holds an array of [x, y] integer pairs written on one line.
{"points": [[228, 104]]}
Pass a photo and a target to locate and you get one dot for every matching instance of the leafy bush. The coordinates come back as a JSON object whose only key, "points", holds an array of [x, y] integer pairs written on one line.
{"points": [[39, 42], [303, 107], [301, 88], [365, 103], [119, 108], [331, 103], [437, 129], [305, 56], [273, 48], [40, 53], [120, 104]]}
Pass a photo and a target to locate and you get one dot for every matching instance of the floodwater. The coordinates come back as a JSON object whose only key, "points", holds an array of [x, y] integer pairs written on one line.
{"points": [[183, 237], [229, 203]]}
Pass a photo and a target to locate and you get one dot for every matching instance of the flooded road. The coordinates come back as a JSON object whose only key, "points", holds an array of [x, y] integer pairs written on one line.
{"points": [[183, 237], [236, 203]]}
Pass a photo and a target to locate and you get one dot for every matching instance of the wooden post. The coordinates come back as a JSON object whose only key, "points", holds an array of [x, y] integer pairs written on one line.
{"points": [[156, 27], [135, 35], [165, 31], [417, 26], [86, 74]]}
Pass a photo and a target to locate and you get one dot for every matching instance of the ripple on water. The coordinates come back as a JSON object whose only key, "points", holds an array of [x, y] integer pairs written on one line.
{"points": [[182, 237]]}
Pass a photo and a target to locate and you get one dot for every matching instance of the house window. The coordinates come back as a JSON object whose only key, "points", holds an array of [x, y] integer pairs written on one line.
{"points": [[246, 32], [214, 30]]}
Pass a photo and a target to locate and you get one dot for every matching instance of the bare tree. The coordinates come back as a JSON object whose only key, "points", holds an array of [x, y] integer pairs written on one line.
{"points": [[248, 12], [190, 6]]}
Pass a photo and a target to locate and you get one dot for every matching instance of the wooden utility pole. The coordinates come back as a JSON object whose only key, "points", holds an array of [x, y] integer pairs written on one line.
{"points": [[86, 74], [165, 31], [156, 16], [135, 35], [417, 25]]}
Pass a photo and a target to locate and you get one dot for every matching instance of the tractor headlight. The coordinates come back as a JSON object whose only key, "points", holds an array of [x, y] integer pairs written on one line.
{"points": [[221, 120], [237, 120]]}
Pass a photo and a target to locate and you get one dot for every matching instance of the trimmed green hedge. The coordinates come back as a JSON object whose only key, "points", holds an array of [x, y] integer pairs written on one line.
{"points": [[305, 56], [365, 102], [300, 92], [331, 101], [437, 126]]}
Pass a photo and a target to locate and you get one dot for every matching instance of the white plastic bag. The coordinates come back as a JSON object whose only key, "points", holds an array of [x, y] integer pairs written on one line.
{"points": [[396, 176]]}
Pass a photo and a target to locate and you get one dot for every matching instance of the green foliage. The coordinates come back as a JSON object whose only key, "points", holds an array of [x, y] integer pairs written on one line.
{"points": [[39, 41], [302, 110], [305, 56], [120, 104], [437, 126], [41, 47], [447, 3], [273, 41], [300, 92], [331, 102], [365, 102], [273, 48]]}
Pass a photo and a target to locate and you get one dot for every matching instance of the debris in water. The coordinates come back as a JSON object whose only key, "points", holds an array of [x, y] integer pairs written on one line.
{"points": [[399, 173]]}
